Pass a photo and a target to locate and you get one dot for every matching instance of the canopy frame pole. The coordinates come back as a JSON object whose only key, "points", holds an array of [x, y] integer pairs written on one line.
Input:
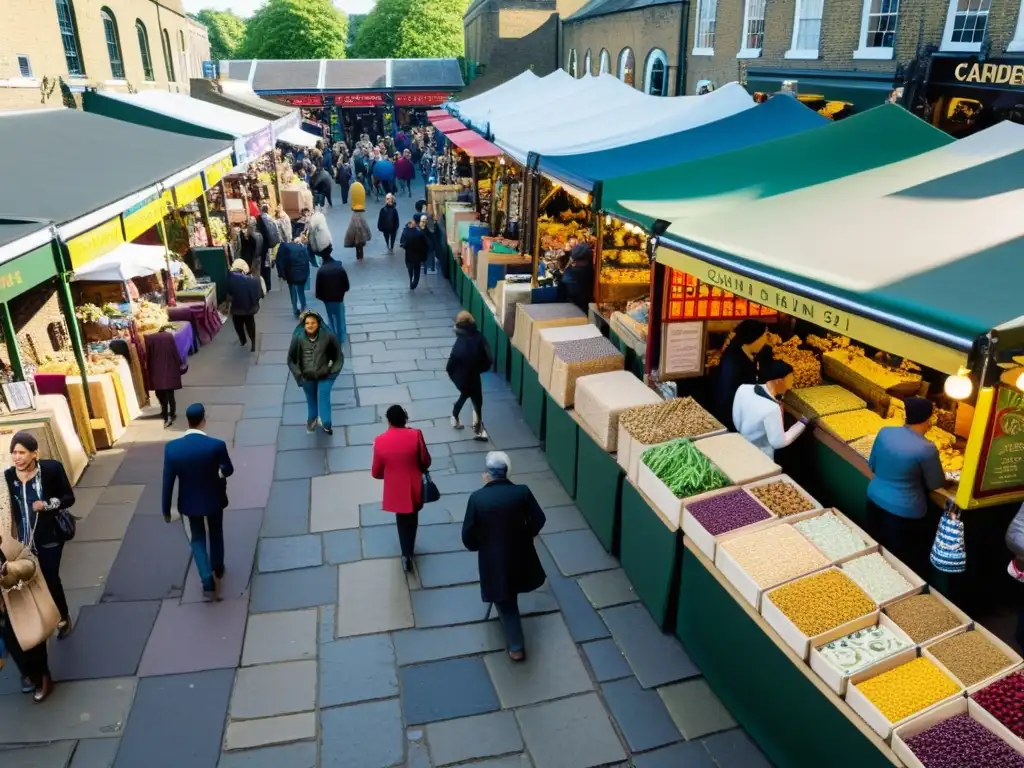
{"points": [[162, 229], [11, 339], [494, 199], [68, 302], [535, 224], [598, 254]]}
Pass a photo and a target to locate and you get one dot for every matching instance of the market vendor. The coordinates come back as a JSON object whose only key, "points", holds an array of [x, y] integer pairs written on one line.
{"points": [[738, 367], [577, 284], [757, 411], [906, 469]]}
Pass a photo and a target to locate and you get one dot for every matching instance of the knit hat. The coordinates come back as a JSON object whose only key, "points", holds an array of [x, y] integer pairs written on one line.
{"points": [[919, 410]]}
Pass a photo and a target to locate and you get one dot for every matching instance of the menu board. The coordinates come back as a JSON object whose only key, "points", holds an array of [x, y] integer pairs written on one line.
{"points": [[682, 350], [690, 299], [1002, 465]]}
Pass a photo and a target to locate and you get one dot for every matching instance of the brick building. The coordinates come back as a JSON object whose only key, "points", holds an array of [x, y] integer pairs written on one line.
{"points": [[109, 44]]}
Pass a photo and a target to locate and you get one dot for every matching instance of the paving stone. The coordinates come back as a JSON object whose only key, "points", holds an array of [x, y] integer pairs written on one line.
{"points": [[287, 512], [87, 563], [507, 429], [414, 646], [524, 460], [342, 546], [685, 755], [571, 733], [362, 736], [88, 709], [381, 541], [554, 670], [301, 755], [241, 532], [448, 569], [102, 468], [326, 623], [106, 522], [406, 377], [561, 519], [292, 465], [194, 637], [350, 459], [267, 374], [444, 690], [607, 588], [578, 552], [94, 651], [641, 715], [734, 749], [95, 753], [435, 539], [447, 606], [510, 761], [151, 562], [606, 660], [583, 621], [274, 689], [295, 413], [656, 658], [373, 596], [404, 356], [399, 393], [423, 410], [357, 669], [437, 513], [141, 463], [425, 390], [264, 731], [460, 483], [285, 636], [375, 380], [290, 552], [296, 438], [365, 433], [304, 588], [336, 500], [468, 738], [257, 432], [198, 702], [695, 709], [546, 488], [249, 486], [50, 756]]}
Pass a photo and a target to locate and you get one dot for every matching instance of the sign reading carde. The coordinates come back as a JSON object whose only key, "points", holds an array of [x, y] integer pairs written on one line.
{"points": [[424, 99], [359, 100]]}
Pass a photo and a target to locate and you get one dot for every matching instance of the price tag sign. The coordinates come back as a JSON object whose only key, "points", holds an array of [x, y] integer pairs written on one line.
{"points": [[682, 350]]}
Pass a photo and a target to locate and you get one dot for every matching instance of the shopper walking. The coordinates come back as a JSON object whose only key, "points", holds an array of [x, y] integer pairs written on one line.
{"points": [[358, 233], [315, 360], [165, 365], [387, 221], [469, 359], [321, 186], [384, 174], [284, 224], [318, 234], [252, 247], [433, 234], [331, 286], [343, 176], [400, 457], [293, 268], [404, 171], [502, 520], [200, 465], [245, 292], [414, 242]]}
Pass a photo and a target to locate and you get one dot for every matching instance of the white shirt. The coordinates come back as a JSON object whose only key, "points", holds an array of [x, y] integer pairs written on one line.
{"points": [[759, 420]]}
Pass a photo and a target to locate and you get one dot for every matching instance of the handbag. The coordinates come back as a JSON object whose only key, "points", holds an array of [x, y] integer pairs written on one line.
{"points": [[949, 553], [65, 525], [30, 607], [430, 492]]}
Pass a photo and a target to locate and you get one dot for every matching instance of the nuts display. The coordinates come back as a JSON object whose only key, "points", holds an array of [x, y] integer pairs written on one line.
{"points": [[877, 577], [659, 423], [859, 650], [872, 370], [782, 498], [962, 741], [727, 511], [1004, 700], [907, 689], [774, 555], [821, 601], [850, 425], [815, 402], [580, 357], [922, 617], [970, 656], [831, 535]]}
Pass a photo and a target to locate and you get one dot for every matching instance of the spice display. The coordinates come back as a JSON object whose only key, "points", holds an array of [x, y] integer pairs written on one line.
{"points": [[821, 601], [876, 577], [850, 425], [685, 470], [1004, 700], [782, 498], [739, 459], [815, 402], [774, 555], [831, 535], [962, 742], [877, 373], [859, 650], [970, 656], [580, 357], [922, 617], [806, 366], [659, 423], [907, 689]]}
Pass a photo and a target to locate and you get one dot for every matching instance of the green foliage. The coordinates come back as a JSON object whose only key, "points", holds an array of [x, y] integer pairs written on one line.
{"points": [[355, 21], [226, 32], [295, 29], [403, 29]]}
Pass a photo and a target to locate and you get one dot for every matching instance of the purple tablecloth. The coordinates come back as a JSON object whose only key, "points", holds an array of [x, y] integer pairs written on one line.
{"points": [[191, 314], [205, 318], [183, 339]]}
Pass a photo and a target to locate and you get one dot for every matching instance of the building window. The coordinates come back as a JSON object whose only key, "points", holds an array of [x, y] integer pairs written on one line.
{"points": [[168, 59], [24, 66], [113, 44], [606, 62], [753, 30], [147, 58], [587, 63], [656, 73], [1017, 44], [571, 66], [806, 30], [704, 37], [181, 40], [966, 24], [69, 36], [627, 66], [878, 29]]}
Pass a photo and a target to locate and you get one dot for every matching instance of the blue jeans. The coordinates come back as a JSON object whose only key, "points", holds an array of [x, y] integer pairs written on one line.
{"points": [[318, 400], [203, 528], [298, 293], [336, 318]]}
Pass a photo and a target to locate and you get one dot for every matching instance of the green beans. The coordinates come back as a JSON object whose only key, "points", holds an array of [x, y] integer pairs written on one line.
{"points": [[685, 470]]}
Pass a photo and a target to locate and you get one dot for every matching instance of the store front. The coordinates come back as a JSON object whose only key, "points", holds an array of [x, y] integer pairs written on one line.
{"points": [[835, 95]]}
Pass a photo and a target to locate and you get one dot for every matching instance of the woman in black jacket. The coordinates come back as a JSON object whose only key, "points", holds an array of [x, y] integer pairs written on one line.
{"points": [[469, 359], [245, 292], [387, 221], [738, 367], [414, 241]]}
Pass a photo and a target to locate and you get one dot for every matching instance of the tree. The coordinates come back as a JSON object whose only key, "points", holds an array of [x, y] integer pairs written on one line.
{"points": [[296, 29], [226, 32], [355, 21], [403, 29]]}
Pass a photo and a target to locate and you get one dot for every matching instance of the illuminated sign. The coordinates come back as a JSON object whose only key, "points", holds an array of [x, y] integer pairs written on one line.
{"points": [[989, 73], [305, 101], [425, 99], [690, 299], [359, 100]]}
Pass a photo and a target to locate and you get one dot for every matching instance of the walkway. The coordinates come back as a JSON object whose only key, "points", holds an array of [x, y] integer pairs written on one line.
{"points": [[327, 655]]}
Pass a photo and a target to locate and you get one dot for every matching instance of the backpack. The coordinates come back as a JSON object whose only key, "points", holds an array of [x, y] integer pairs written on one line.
{"points": [[271, 234]]}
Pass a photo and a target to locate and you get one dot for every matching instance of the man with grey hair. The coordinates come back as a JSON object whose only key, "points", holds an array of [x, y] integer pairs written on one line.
{"points": [[502, 519]]}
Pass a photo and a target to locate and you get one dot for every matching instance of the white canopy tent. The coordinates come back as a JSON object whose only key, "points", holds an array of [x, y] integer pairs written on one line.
{"points": [[123, 263], [508, 90], [189, 110], [298, 138], [548, 92]]}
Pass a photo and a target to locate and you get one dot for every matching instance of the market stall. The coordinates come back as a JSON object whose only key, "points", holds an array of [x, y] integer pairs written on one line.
{"points": [[476, 110]]}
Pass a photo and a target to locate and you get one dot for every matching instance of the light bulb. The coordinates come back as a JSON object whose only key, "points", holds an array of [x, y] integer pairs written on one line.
{"points": [[501, 160], [959, 386], [1020, 381]]}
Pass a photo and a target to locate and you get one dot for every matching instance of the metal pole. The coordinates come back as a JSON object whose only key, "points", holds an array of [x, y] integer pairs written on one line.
{"points": [[12, 342]]}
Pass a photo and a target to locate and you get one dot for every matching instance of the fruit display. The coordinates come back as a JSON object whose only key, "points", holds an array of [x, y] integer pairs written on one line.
{"points": [[685, 470], [661, 422], [806, 365], [877, 373], [961, 741], [907, 689], [970, 656], [859, 650], [782, 498], [727, 511], [922, 617], [821, 601], [850, 425], [1004, 700], [831, 535], [774, 555], [877, 577], [815, 402]]}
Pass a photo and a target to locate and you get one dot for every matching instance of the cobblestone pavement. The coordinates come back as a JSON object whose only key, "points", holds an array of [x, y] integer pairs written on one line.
{"points": [[322, 652]]}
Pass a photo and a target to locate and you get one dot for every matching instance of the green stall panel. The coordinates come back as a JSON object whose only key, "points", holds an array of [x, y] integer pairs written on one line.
{"points": [[476, 303], [599, 484], [453, 268], [561, 443], [533, 400], [463, 290], [516, 363], [501, 346], [489, 329], [649, 553], [771, 692]]}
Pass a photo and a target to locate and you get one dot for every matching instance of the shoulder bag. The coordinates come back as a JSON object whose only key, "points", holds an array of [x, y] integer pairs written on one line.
{"points": [[949, 551], [30, 608], [430, 492]]}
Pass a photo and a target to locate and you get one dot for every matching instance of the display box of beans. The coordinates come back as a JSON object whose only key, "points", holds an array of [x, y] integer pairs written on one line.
{"points": [[836, 535], [740, 460], [927, 617], [956, 734], [1003, 699], [646, 426], [896, 690], [883, 577], [838, 655], [783, 496], [974, 657], [756, 561], [710, 515], [814, 609]]}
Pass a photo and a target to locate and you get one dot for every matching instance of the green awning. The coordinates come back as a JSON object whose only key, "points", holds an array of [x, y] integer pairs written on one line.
{"points": [[862, 89]]}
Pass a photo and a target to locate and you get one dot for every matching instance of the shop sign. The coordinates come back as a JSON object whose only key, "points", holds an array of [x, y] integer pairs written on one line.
{"points": [[992, 72], [689, 299], [143, 216], [214, 173], [94, 243], [1002, 460], [188, 191], [682, 350], [27, 271], [359, 100], [305, 101], [260, 143], [425, 99]]}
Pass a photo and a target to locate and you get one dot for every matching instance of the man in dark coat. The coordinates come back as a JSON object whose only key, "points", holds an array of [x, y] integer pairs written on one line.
{"points": [[502, 519], [344, 177], [469, 359], [414, 241], [388, 222], [577, 285], [331, 286], [293, 268], [320, 186]]}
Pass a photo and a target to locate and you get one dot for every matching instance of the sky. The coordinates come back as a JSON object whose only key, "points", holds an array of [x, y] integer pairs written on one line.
{"points": [[246, 7]]}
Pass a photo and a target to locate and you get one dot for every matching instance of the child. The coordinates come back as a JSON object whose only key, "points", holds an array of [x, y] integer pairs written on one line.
{"points": [[469, 359]]}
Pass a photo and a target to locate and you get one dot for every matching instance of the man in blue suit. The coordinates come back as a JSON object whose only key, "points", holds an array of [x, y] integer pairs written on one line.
{"points": [[201, 466]]}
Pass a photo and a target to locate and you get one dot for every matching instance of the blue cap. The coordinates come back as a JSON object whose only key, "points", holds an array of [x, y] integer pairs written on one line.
{"points": [[195, 413]]}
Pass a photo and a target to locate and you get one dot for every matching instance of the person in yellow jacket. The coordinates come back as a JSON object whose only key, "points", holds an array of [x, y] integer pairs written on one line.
{"points": [[358, 233]]}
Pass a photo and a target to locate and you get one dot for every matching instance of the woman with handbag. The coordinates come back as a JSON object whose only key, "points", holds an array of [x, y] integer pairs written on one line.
{"points": [[401, 460], [27, 616]]}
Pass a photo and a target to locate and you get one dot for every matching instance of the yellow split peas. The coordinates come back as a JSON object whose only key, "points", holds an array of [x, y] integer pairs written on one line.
{"points": [[822, 601], [907, 689]]}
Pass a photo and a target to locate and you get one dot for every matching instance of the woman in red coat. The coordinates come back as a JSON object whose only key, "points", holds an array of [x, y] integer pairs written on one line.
{"points": [[400, 457]]}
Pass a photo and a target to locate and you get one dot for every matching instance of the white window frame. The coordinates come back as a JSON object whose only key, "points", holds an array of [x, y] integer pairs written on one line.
{"points": [[803, 53], [1017, 44], [656, 54], [588, 62], [621, 74], [873, 52], [572, 65], [699, 50], [748, 6], [947, 32], [605, 65]]}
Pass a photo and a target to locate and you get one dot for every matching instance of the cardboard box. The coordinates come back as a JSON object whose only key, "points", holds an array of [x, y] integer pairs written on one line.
{"points": [[294, 199], [834, 677], [1015, 660], [870, 545], [235, 211], [936, 715], [917, 584], [965, 620], [740, 460], [705, 541]]}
